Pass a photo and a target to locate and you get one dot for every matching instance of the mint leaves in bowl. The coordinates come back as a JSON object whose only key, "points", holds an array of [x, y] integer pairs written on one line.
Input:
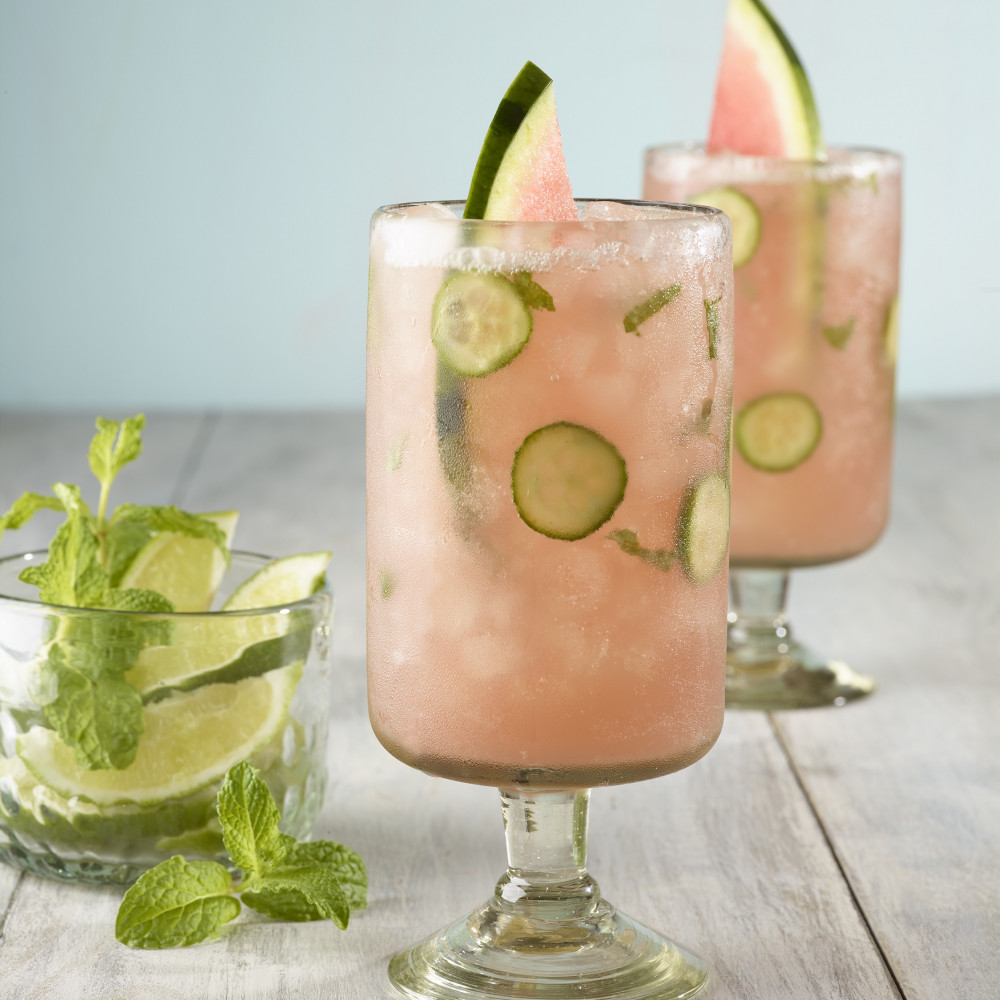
{"points": [[141, 659]]}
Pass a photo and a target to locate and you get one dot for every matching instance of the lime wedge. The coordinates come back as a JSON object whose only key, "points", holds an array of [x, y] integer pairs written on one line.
{"points": [[189, 741], [186, 570], [227, 648], [281, 581]]}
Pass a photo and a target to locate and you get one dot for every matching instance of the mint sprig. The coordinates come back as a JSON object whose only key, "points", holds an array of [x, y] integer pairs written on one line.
{"points": [[628, 541], [181, 902], [79, 680]]}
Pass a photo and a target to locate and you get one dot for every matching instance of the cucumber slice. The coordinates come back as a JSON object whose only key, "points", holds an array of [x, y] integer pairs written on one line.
{"points": [[744, 216], [779, 431], [567, 480], [890, 331], [479, 323], [703, 528]]}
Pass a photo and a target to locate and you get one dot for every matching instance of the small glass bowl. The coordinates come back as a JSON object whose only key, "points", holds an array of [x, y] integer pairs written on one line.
{"points": [[215, 688]]}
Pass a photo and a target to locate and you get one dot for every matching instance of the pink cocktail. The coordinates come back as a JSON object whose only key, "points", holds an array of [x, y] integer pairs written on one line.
{"points": [[548, 409], [817, 285]]}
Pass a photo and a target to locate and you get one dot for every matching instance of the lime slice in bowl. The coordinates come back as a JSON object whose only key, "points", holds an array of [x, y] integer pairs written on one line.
{"points": [[189, 741], [228, 648], [185, 570]]}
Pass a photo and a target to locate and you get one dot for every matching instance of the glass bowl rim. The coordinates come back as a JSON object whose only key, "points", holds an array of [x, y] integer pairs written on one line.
{"points": [[852, 155], [685, 212], [317, 600]]}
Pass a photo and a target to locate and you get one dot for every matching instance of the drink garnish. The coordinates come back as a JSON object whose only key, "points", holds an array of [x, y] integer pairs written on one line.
{"points": [[779, 431]]}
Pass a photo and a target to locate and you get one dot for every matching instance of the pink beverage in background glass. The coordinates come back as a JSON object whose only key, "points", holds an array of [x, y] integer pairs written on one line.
{"points": [[816, 298], [816, 257], [547, 539]]}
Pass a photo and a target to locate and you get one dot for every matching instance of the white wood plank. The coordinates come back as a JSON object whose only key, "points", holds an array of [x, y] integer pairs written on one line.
{"points": [[724, 856], [907, 782]]}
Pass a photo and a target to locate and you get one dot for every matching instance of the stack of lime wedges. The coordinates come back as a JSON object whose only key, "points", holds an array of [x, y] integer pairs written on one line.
{"points": [[219, 693]]}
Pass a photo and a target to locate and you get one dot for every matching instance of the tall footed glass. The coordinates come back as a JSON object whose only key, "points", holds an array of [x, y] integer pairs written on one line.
{"points": [[816, 256], [548, 414]]}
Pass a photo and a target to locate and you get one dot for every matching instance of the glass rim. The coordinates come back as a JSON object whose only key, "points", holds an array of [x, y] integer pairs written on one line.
{"points": [[681, 212], [323, 595], [847, 155]]}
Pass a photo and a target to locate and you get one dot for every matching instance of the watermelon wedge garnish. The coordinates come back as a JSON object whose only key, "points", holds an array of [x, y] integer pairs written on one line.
{"points": [[763, 102], [521, 171]]}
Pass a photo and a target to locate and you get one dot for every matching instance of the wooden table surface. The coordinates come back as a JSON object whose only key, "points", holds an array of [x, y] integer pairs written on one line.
{"points": [[831, 853]]}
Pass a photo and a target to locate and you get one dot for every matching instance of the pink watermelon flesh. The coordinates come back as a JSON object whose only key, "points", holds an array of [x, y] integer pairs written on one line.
{"points": [[546, 194], [744, 118]]}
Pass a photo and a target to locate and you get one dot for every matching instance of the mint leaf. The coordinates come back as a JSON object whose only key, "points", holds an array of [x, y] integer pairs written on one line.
{"points": [[111, 449], [628, 542], [638, 315], [712, 322], [345, 863], [87, 702], [72, 575], [250, 821], [838, 336], [532, 294], [176, 903], [24, 509], [312, 893]]}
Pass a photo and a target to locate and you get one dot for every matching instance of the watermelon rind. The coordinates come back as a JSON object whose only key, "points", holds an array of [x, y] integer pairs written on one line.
{"points": [[801, 134], [522, 121]]}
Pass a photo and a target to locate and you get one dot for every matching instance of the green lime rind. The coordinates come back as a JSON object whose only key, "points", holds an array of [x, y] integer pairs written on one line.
{"points": [[649, 307], [522, 96], [744, 217], [703, 528], [778, 432], [281, 581], [567, 480], [479, 323]]}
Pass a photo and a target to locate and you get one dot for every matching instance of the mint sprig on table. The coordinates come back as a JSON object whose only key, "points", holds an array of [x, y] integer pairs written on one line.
{"points": [[181, 902], [80, 681]]}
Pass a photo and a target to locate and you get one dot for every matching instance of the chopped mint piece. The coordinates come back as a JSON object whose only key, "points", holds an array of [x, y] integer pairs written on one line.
{"points": [[386, 583], [395, 457], [712, 322], [532, 294], [703, 424], [628, 542], [638, 315], [838, 336], [177, 903]]}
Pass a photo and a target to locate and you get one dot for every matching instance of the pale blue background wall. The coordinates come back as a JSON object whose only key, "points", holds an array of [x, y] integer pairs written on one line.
{"points": [[185, 186]]}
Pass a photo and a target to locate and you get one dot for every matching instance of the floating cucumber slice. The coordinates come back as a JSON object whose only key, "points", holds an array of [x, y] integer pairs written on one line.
{"points": [[779, 431], [567, 480], [890, 331], [479, 323], [744, 216], [703, 528]]}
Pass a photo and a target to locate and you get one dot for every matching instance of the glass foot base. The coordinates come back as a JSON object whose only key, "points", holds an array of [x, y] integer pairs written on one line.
{"points": [[794, 678], [492, 955]]}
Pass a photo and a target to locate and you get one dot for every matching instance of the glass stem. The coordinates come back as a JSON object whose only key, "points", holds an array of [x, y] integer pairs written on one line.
{"points": [[758, 628], [547, 875]]}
